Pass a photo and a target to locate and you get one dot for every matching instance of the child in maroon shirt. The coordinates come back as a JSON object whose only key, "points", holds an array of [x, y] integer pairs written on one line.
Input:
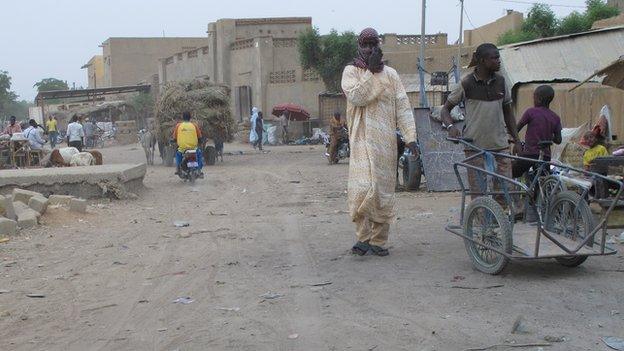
{"points": [[542, 125]]}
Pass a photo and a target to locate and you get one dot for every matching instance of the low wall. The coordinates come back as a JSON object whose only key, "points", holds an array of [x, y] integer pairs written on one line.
{"points": [[113, 181]]}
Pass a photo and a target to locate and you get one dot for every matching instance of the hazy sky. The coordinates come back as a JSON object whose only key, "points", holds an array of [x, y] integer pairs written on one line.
{"points": [[54, 38]]}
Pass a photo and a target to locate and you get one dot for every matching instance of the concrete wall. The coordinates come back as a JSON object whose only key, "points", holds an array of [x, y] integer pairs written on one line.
{"points": [[609, 22], [579, 106], [490, 32], [95, 72], [188, 65], [270, 66], [436, 59], [130, 60], [616, 3]]}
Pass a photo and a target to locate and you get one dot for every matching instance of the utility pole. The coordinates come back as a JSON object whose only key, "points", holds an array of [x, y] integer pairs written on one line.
{"points": [[460, 40], [421, 58]]}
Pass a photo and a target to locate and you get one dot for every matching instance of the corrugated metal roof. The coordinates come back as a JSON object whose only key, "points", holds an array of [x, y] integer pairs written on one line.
{"points": [[565, 58]]}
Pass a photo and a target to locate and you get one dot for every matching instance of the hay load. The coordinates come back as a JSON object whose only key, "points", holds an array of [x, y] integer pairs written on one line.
{"points": [[208, 103]]}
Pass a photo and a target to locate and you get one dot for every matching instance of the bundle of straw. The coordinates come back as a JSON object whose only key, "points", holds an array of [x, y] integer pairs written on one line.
{"points": [[209, 105]]}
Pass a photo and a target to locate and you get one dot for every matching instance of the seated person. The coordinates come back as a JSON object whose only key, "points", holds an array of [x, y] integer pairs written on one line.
{"points": [[594, 150], [542, 125], [33, 135]]}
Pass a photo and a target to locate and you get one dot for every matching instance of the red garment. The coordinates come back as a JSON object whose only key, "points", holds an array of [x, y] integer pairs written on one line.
{"points": [[10, 130]]}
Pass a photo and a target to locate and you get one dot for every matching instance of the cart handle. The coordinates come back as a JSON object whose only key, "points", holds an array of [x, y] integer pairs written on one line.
{"points": [[465, 141]]}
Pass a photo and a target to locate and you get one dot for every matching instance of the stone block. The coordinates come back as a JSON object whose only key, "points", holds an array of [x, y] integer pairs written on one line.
{"points": [[78, 205], [38, 203], [6, 207], [23, 196], [28, 219], [7, 226], [23, 210], [62, 200]]}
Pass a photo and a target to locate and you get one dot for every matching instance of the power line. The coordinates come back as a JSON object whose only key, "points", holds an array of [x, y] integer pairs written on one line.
{"points": [[472, 24], [535, 3]]}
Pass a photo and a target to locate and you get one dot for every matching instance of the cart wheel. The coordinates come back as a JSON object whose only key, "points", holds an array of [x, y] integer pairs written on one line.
{"points": [[569, 215], [550, 186], [487, 224], [412, 173]]}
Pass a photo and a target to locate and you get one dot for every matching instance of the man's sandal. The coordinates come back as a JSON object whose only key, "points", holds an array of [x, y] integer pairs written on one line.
{"points": [[360, 248], [378, 250]]}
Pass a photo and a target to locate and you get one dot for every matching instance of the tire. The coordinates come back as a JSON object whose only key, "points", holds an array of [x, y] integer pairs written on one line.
{"points": [[210, 155], [485, 209], [564, 208], [191, 177], [412, 173], [550, 186]]}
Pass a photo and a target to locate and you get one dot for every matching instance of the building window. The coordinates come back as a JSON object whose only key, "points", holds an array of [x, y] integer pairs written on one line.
{"points": [[205, 50], [269, 31], [169, 60], [280, 77], [192, 54], [179, 57]]}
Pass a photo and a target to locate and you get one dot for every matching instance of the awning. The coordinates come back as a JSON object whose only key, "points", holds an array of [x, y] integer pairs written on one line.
{"points": [[613, 75]]}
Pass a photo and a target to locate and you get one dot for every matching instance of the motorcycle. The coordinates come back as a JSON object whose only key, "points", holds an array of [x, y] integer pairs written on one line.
{"points": [[189, 167], [343, 149]]}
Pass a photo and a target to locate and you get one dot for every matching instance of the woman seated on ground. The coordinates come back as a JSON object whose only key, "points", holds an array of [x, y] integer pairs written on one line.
{"points": [[595, 149]]}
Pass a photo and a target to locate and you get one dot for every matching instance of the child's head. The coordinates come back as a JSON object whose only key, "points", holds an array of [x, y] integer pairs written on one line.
{"points": [[543, 96], [589, 139]]}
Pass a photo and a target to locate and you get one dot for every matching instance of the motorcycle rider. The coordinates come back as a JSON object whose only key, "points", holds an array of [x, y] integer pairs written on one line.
{"points": [[187, 136], [336, 128]]}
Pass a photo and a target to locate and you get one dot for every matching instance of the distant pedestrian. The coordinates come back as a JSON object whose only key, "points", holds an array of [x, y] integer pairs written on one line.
{"points": [[253, 135], [336, 131], [284, 121], [52, 129], [87, 126], [75, 134], [259, 129]]}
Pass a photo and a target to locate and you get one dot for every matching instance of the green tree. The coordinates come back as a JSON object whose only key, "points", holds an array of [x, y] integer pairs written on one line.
{"points": [[7, 97], [143, 105], [598, 9], [573, 23], [327, 54], [541, 21], [48, 84], [18, 109], [511, 37]]}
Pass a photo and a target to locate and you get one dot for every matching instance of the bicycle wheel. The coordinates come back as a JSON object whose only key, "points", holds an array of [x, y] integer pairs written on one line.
{"points": [[548, 187], [570, 216], [486, 223]]}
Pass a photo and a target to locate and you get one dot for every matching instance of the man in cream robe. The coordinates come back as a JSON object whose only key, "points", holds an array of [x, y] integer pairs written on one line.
{"points": [[376, 105]]}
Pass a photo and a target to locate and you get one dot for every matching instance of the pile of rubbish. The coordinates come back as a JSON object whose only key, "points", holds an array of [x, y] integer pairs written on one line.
{"points": [[208, 103], [23, 208], [318, 137]]}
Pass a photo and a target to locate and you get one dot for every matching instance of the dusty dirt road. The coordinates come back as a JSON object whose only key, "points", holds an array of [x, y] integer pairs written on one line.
{"points": [[276, 223]]}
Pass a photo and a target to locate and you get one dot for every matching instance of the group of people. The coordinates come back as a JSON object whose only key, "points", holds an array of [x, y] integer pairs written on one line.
{"points": [[78, 134], [257, 130], [377, 105]]}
